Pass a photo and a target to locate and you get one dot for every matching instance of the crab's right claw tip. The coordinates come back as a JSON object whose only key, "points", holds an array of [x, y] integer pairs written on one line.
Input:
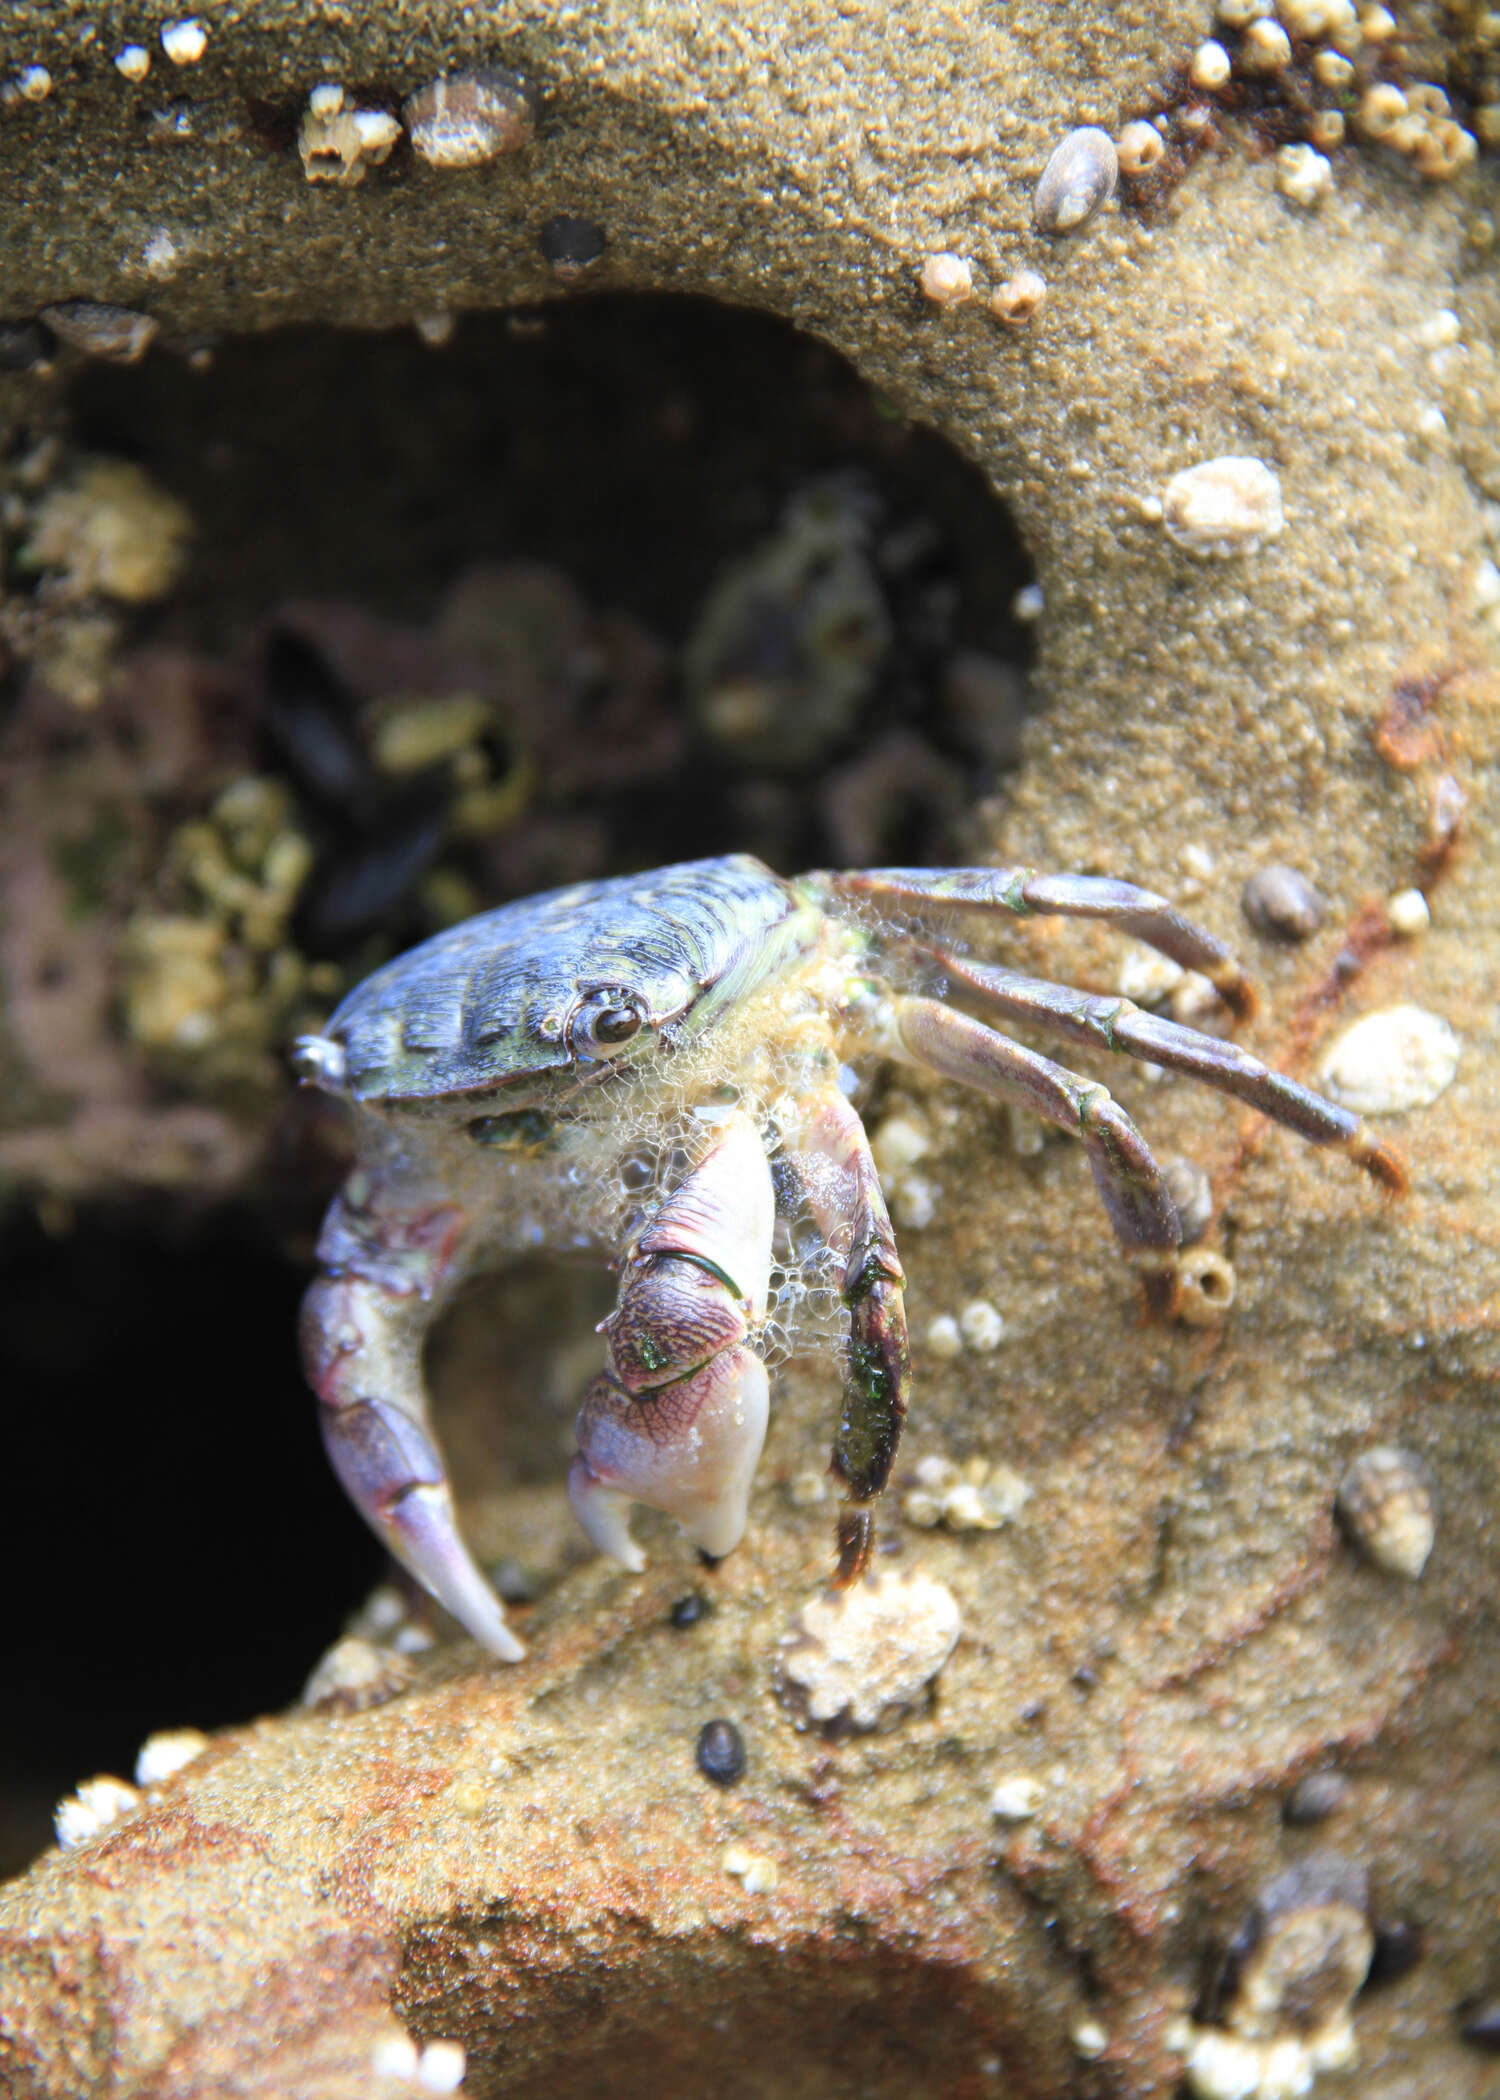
{"points": [[424, 1537], [395, 1478]]}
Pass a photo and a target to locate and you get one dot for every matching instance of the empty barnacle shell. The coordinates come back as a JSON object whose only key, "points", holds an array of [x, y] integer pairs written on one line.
{"points": [[1385, 1504], [1140, 148], [116, 333], [571, 244], [355, 1674], [1207, 1284], [1301, 1954], [1080, 176], [337, 144], [1020, 297], [466, 119]]}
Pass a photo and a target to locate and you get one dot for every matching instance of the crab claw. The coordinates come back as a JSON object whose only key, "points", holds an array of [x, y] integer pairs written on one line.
{"points": [[689, 1448], [382, 1452], [395, 1479]]}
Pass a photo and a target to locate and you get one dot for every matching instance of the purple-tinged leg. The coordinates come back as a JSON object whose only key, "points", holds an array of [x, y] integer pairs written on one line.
{"points": [[678, 1418], [1024, 894], [828, 1153], [362, 1330], [1127, 1177], [1118, 1025]]}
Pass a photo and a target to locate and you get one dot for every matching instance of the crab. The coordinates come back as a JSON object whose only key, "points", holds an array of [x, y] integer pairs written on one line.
{"points": [[655, 1067]]}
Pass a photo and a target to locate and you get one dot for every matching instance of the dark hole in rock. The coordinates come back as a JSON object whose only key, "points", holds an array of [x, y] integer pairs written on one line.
{"points": [[181, 1553]]}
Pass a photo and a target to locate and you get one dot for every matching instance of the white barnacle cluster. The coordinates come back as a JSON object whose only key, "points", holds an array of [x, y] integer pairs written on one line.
{"points": [[1337, 55], [95, 1805], [166, 1753], [756, 1872], [979, 1328], [438, 2067], [338, 142], [899, 1143], [976, 1494]]}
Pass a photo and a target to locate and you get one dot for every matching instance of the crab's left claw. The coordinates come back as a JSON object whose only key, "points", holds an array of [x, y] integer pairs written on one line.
{"points": [[678, 1419], [689, 1448], [361, 1344]]}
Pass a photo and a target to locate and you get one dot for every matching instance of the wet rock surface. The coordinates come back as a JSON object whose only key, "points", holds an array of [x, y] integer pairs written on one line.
{"points": [[1173, 1632]]}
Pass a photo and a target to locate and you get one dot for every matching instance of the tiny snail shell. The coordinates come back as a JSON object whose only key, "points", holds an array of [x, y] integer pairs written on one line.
{"points": [[1386, 1506], [1080, 176], [466, 119]]}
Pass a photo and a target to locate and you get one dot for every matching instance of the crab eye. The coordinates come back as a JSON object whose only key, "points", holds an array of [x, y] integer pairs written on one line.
{"points": [[616, 1024], [603, 1021]]}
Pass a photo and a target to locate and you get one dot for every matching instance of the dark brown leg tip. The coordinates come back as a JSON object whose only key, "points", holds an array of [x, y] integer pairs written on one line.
{"points": [[1237, 992], [856, 1542], [1381, 1160]]}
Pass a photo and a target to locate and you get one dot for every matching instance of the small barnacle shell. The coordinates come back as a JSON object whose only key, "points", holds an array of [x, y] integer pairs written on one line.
{"points": [[1266, 48], [167, 1752], [1192, 1196], [1303, 175], [1207, 1287], [1210, 68], [466, 119], [1140, 147], [1080, 176], [116, 333], [946, 280], [354, 1674], [97, 1803], [1222, 507], [1385, 1504], [184, 42], [1018, 298]]}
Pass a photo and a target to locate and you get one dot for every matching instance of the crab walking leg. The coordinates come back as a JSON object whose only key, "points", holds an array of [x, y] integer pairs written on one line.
{"points": [[829, 1154], [1024, 894], [678, 1418], [363, 1325], [1127, 1177], [1117, 1024]]}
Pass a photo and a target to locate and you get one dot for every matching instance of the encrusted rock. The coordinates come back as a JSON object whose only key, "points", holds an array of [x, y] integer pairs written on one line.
{"points": [[867, 1655]]}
